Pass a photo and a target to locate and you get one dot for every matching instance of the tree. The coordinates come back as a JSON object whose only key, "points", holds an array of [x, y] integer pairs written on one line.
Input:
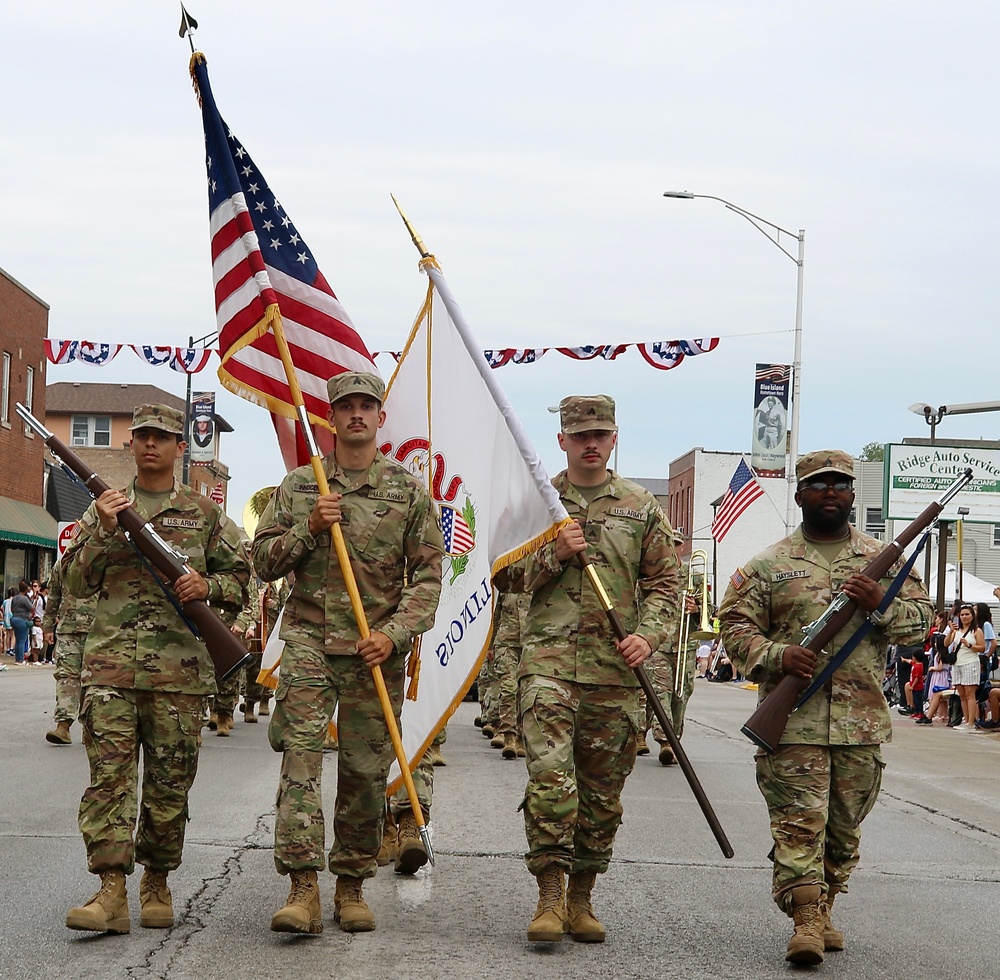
{"points": [[872, 452]]}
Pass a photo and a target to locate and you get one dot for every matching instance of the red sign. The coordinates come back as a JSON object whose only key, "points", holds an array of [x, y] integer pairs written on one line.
{"points": [[65, 535]]}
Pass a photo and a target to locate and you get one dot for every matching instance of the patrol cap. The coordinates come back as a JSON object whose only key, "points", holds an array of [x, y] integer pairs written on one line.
{"points": [[585, 413], [160, 417], [824, 461], [355, 383]]}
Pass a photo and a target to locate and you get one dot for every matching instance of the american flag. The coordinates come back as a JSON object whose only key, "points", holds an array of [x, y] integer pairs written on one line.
{"points": [[259, 260], [743, 491], [458, 538], [218, 494]]}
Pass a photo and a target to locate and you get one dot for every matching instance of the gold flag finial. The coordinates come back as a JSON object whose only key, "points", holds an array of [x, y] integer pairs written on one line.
{"points": [[417, 240]]}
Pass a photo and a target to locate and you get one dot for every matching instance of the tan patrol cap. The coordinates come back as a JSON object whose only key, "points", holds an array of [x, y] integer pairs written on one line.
{"points": [[824, 461], [160, 417], [585, 413], [355, 383]]}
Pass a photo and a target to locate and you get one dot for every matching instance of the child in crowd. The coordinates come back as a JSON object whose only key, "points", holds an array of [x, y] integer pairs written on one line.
{"points": [[37, 641], [938, 680], [915, 685]]}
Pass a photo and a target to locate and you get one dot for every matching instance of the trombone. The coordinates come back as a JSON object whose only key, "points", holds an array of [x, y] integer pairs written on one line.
{"points": [[684, 632]]}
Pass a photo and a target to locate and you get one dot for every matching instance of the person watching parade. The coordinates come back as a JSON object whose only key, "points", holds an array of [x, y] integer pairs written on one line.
{"points": [[391, 530], [145, 676], [578, 696], [824, 777]]}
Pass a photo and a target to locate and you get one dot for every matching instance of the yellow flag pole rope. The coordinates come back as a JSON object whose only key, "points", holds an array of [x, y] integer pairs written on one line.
{"points": [[340, 547]]}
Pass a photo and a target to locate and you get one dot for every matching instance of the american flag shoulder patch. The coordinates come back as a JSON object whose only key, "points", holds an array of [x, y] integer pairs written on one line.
{"points": [[740, 577]]}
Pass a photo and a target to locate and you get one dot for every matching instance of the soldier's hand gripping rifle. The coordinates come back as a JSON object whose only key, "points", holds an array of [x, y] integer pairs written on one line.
{"points": [[767, 724], [227, 652]]}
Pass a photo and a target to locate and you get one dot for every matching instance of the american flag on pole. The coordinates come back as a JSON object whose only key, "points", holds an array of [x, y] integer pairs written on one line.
{"points": [[262, 268], [743, 491]]}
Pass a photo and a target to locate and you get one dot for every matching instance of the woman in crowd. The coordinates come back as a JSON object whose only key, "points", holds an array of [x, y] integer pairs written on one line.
{"points": [[20, 620], [966, 640]]}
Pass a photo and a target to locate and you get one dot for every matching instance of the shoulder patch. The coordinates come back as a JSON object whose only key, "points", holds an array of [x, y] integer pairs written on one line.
{"points": [[740, 577], [398, 496], [791, 573], [305, 488], [634, 515], [191, 523]]}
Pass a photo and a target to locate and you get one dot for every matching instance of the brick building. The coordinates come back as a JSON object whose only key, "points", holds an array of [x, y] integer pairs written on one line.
{"points": [[27, 530], [94, 419]]}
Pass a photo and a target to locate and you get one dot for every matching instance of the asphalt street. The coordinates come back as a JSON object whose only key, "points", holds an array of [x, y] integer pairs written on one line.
{"points": [[923, 901]]}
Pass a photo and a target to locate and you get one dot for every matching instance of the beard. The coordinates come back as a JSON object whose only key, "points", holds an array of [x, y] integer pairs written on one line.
{"points": [[827, 521]]}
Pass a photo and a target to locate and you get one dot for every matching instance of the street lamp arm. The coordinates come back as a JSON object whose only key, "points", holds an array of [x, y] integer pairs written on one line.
{"points": [[755, 219]]}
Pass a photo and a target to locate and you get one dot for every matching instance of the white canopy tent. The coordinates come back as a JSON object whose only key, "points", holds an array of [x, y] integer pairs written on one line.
{"points": [[973, 589]]}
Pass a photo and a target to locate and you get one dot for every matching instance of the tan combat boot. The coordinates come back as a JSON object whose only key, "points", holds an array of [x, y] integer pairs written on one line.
{"points": [[265, 706], [666, 756], [806, 945], [213, 721], [412, 855], [301, 912], [489, 729], [350, 909], [519, 747], [833, 938], [224, 725], [107, 910], [584, 926], [509, 746], [60, 734], [154, 897], [248, 714], [641, 748], [434, 756], [549, 924], [498, 740], [390, 843]]}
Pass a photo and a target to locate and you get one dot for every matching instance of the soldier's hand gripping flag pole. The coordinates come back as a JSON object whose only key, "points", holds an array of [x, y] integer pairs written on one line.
{"points": [[559, 516], [253, 284]]}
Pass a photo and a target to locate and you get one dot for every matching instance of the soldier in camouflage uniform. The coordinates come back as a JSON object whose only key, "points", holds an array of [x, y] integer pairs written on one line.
{"points": [[513, 610], [392, 534], [488, 685], [272, 596], [825, 775], [662, 669], [66, 623], [577, 693], [145, 676]]}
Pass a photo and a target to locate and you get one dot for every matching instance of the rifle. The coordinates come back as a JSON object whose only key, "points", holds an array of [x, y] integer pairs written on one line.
{"points": [[227, 652], [767, 724]]}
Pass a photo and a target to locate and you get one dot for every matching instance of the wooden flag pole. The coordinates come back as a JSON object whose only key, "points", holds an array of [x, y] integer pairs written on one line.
{"points": [[340, 547]]}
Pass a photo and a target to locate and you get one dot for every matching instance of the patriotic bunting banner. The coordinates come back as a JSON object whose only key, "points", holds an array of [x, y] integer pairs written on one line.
{"points": [[664, 355]]}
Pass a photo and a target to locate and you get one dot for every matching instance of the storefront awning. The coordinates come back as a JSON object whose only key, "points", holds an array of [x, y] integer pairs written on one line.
{"points": [[22, 523]]}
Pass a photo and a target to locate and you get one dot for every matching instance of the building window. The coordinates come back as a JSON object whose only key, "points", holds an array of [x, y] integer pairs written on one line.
{"points": [[996, 535], [874, 524], [29, 397], [90, 430], [5, 390], [852, 518]]}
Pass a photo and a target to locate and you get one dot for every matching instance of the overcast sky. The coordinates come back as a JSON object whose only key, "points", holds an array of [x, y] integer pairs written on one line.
{"points": [[531, 144]]}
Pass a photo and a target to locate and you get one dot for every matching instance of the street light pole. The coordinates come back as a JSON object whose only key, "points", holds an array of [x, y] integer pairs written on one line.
{"points": [[799, 259]]}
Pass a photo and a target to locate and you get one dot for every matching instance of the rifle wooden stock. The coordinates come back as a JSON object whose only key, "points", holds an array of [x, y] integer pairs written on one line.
{"points": [[767, 724], [227, 652], [661, 715]]}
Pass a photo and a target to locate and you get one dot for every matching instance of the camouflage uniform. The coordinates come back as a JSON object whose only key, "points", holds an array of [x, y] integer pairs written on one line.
{"points": [[69, 619], [145, 677], [392, 535], [507, 657], [577, 699], [488, 685], [825, 776], [274, 595]]}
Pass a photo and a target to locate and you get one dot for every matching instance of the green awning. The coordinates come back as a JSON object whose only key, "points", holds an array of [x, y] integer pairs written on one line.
{"points": [[22, 523]]}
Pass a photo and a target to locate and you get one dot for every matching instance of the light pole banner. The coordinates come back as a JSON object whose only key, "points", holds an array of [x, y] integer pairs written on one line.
{"points": [[770, 419], [202, 426], [917, 475]]}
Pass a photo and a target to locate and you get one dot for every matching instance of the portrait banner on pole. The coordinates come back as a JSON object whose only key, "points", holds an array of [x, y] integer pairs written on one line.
{"points": [[768, 449]]}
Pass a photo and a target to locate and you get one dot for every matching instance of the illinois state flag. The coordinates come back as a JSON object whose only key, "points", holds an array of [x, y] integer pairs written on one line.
{"points": [[449, 424]]}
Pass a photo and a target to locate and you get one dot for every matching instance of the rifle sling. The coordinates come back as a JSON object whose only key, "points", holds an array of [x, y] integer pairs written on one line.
{"points": [[862, 631]]}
